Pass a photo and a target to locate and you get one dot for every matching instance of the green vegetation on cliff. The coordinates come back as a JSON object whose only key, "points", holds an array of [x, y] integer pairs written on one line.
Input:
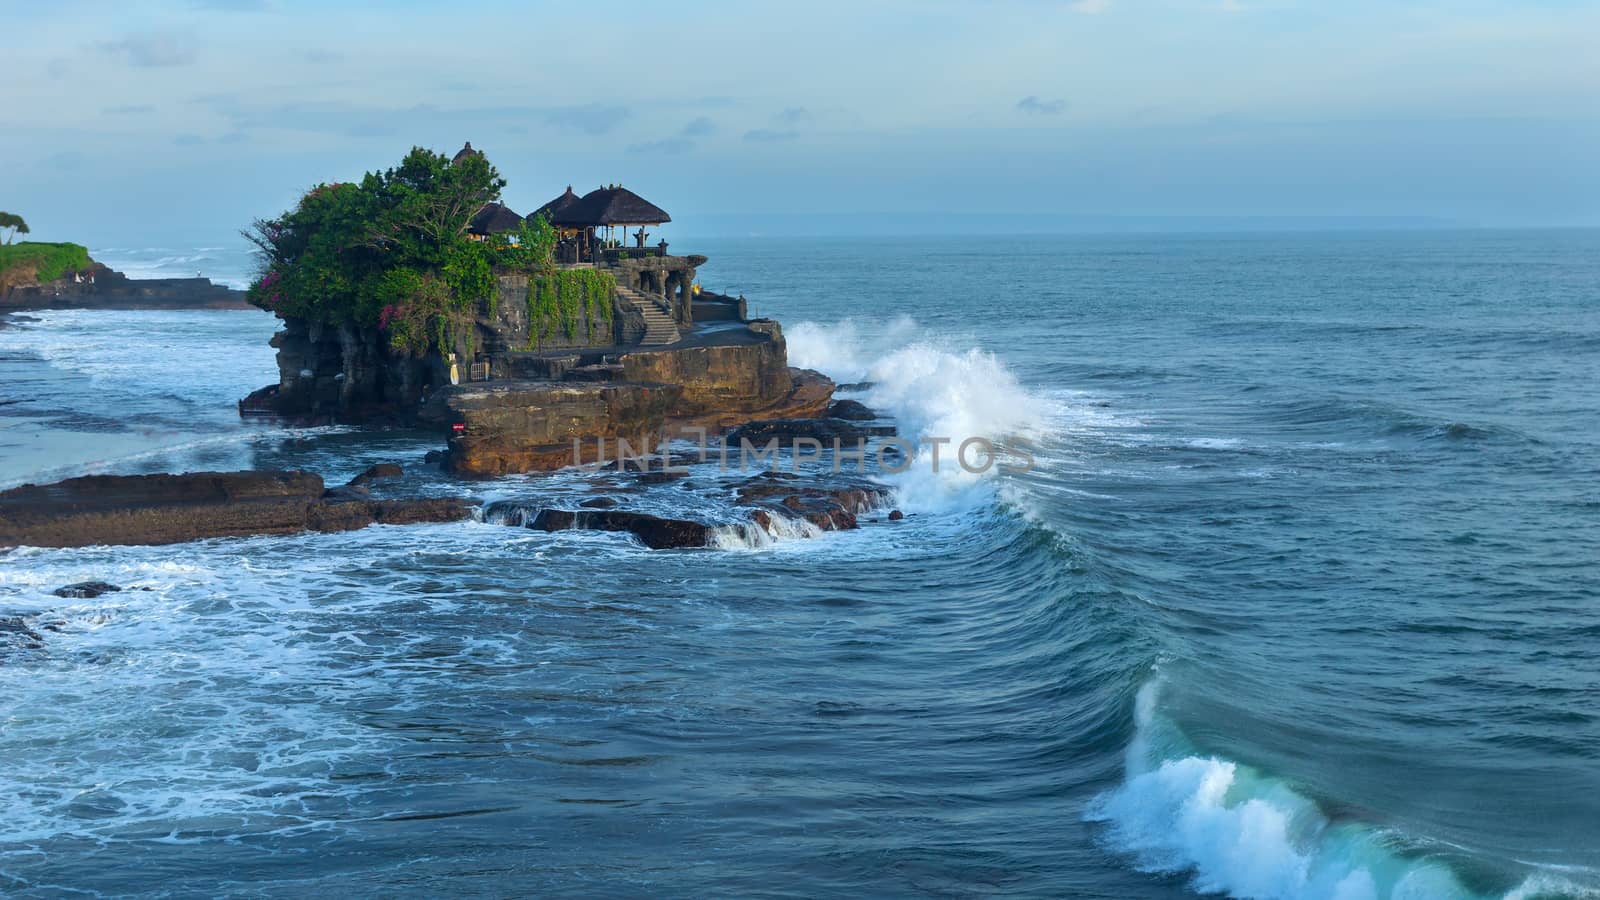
{"points": [[392, 252], [568, 299], [48, 261]]}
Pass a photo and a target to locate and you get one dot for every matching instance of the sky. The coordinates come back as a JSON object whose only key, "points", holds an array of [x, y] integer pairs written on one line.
{"points": [[182, 120]]}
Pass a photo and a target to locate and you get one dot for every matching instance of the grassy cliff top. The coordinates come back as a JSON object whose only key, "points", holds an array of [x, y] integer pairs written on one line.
{"points": [[47, 261]]}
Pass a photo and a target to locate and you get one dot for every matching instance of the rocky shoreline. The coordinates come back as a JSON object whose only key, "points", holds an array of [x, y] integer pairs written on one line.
{"points": [[170, 509]]}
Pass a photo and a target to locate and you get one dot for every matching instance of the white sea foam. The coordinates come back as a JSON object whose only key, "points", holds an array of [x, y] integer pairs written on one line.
{"points": [[148, 382], [1239, 832], [755, 536], [845, 351], [931, 390], [219, 693], [156, 351]]}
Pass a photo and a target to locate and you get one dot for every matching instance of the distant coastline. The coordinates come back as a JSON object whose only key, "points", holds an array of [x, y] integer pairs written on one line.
{"points": [[64, 276]]}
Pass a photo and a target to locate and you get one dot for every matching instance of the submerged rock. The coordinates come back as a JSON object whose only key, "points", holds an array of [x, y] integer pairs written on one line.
{"points": [[851, 411], [84, 590], [653, 531], [379, 472], [665, 476], [824, 431], [828, 507], [16, 635], [351, 491]]}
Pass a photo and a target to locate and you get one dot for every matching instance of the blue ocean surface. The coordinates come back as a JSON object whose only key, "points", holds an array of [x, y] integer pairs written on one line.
{"points": [[1301, 599]]}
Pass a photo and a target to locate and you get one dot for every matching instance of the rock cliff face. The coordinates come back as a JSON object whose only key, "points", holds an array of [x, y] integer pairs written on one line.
{"points": [[348, 372], [103, 288], [731, 378], [528, 426]]}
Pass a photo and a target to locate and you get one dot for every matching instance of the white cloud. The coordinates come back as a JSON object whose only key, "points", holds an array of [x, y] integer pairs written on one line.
{"points": [[153, 50]]}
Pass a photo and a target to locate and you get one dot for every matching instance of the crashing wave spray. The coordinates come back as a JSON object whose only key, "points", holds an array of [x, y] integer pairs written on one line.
{"points": [[931, 391]]}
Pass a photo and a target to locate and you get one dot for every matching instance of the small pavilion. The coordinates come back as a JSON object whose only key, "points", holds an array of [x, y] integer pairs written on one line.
{"points": [[603, 210], [493, 218]]}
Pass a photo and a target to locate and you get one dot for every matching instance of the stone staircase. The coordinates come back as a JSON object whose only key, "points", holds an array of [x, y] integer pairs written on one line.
{"points": [[659, 327]]}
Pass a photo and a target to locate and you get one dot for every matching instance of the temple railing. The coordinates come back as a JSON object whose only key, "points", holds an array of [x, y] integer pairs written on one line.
{"points": [[613, 254]]}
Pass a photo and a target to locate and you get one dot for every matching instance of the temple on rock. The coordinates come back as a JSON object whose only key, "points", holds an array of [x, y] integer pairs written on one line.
{"points": [[613, 338], [605, 230]]}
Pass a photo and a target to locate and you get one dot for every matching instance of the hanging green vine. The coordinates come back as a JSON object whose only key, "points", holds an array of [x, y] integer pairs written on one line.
{"points": [[568, 299]]}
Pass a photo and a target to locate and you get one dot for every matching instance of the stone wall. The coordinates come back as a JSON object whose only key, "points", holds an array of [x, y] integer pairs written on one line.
{"points": [[508, 330]]}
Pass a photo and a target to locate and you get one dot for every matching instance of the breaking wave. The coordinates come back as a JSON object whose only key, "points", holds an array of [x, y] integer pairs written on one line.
{"points": [[1237, 831], [933, 392]]}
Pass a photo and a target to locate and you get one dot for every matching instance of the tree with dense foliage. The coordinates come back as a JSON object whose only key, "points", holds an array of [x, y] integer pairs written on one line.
{"points": [[12, 225], [393, 252]]}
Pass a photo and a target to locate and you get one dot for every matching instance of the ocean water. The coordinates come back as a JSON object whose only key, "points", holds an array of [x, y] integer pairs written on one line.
{"points": [[1300, 600], [229, 262]]}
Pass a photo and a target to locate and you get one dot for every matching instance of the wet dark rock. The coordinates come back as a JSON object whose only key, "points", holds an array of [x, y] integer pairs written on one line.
{"points": [[851, 411], [772, 476], [858, 386], [84, 590], [661, 477], [11, 626], [16, 635], [351, 491], [834, 507], [434, 458], [651, 463], [598, 503], [824, 431], [653, 531], [896, 515], [379, 472]]}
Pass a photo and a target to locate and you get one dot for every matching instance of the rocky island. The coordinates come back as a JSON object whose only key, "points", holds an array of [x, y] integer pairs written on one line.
{"points": [[416, 298], [529, 334]]}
